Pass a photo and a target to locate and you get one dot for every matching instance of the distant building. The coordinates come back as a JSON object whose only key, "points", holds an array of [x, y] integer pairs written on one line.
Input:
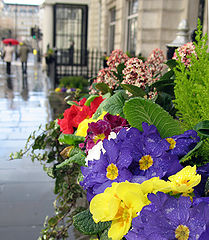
{"points": [[17, 21], [137, 26]]}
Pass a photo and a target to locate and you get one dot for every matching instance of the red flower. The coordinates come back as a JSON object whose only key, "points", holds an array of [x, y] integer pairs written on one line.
{"points": [[74, 115]]}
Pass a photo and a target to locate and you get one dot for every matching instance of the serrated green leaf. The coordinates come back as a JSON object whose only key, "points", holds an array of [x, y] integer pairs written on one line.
{"points": [[84, 223], [72, 103], [114, 105], [90, 99], [138, 110], [134, 90], [78, 158], [70, 139], [202, 128], [103, 87]]}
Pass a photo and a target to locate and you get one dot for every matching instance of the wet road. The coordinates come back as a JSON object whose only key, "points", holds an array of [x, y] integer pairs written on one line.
{"points": [[26, 192]]}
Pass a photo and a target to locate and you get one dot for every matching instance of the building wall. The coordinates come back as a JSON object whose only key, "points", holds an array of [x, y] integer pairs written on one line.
{"points": [[157, 24]]}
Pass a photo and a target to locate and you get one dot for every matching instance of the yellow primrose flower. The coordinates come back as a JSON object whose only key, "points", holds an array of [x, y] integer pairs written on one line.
{"points": [[119, 204], [184, 180], [57, 89], [155, 185], [83, 126]]}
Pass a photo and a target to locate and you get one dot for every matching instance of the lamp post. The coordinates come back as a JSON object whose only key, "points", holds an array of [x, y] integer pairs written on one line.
{"points": [[182, 37], [15, 29]]}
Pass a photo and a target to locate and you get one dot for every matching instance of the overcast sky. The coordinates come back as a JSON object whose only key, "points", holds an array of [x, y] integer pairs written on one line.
{"points": [[31, 2]]}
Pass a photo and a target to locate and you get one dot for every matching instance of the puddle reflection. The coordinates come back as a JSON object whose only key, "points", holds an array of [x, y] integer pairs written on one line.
{"points": [[24, 92], [9, 91]]}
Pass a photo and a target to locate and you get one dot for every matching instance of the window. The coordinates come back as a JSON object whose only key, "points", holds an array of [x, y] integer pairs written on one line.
{"points": [[132, 26], [112, 30], [70, 30]]}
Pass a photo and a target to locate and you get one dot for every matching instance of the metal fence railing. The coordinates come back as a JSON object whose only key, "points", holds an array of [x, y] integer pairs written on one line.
{"points": [[84, 63]]}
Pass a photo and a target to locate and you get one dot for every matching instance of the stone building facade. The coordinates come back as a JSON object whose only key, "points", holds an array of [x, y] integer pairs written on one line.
{"points": [[137, 26]]}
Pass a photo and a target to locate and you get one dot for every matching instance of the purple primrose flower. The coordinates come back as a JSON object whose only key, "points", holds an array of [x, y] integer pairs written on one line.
{"points": [[181, 144], [169, 218], [111, 167]]}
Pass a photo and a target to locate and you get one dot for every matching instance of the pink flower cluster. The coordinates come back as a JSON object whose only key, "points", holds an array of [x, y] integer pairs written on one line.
{"points": [[117, 56], [104, 76], [140, 73], [184, 52]]}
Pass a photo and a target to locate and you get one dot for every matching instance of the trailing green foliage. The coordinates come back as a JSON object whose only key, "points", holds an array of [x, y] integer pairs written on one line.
{"points": [[64, 172], [70, 139], [138, 110], [84, 222]]}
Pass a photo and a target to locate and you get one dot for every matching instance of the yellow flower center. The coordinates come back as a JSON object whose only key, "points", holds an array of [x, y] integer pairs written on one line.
{"points": [[145, 162], [182, 232], [99, 137], [172, 143], [112, 172]]}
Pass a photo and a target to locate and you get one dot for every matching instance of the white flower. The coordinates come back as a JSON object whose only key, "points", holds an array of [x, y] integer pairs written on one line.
{"points": [[95, 152]]}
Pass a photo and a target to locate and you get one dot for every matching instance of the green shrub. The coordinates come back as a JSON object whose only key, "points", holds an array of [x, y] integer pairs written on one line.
{"points": [[192, 88], [74, 82]]}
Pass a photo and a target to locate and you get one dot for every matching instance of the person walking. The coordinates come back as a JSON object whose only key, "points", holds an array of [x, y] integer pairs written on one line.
{"points": [[8, 54], [23, 54]]}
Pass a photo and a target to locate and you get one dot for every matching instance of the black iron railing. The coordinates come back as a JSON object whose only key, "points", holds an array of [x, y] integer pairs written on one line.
{"points": [[84, 63]]}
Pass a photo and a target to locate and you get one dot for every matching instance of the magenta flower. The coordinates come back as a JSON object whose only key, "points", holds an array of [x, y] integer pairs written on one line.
{"points": [[100, 130]]}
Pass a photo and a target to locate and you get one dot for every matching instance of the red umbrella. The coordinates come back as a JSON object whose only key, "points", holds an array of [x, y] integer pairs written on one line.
{"points": [[10, 40]]}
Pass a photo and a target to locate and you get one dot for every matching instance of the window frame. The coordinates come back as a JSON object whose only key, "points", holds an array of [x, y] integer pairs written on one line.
{"points": [[129, 18]]}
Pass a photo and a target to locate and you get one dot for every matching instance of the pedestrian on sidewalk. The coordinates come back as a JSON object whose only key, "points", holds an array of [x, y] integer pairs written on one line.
{"points": [[23, 54], [8, 54]]}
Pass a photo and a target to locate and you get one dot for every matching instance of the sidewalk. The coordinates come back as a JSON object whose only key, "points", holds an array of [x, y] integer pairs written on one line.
{"points": [[26, 192]]}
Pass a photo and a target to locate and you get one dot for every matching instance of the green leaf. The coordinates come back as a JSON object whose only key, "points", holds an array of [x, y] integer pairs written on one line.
{"points": [[100, 109], [119, 73], [72, 103], [103, 87], [78, 158], [186, 157], [202, 128], [90, 99], [171, 63], [165, 101], [136, 91], [166, 83], [84, 223], [138, 110], [114, 105], [120, 68], [207, 188], [70, 139]]}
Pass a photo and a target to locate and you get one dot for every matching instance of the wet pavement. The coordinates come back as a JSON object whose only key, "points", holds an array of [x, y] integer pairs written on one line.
{"points": [[26, 192]]}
